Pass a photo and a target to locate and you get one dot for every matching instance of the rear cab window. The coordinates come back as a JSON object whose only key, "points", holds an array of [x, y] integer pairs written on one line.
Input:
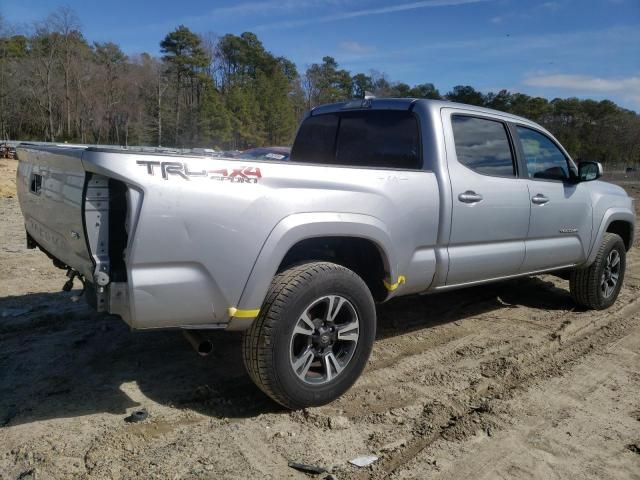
{"points": [[316, 140], [364, 138]]}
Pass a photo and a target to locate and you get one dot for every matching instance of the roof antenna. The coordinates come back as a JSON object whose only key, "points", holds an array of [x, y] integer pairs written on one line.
{"points": [[368, 95]]}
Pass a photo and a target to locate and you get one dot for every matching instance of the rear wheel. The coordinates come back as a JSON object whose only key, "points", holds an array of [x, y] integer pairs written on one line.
{"points": [[597, 286], [313, 336]]}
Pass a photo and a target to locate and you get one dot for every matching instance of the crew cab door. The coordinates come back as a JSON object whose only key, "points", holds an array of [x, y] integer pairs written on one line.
{"points": [[490, 204], [561, 213]]}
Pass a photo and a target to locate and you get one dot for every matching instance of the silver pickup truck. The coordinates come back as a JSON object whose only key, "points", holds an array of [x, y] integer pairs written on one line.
{"points": [[380, 198]]}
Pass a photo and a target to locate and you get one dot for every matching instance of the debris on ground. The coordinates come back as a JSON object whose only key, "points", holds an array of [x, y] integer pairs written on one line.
{"points": [[137, 416], [27, 475], [363, 461], [306, 468]]}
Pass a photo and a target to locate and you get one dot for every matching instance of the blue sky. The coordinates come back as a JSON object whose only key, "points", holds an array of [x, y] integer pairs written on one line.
{"points": [[584, 48]]}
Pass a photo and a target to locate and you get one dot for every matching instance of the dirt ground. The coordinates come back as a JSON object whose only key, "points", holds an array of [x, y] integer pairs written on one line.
{"points": [[502, 381], [7, 178]]}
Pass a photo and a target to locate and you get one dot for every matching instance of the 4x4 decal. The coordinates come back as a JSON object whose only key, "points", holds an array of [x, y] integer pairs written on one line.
{"points": [[235, 175]]}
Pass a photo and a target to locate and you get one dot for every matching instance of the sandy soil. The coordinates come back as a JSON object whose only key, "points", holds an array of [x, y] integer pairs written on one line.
{"points": [[7, 178], [503, 381]]}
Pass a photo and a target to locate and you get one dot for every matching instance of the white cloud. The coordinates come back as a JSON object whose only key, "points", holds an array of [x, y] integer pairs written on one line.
{"points": [[356, 47], [253, 8], [266, 8], [500, 48], [584, 83], [553, 6], [368, 12], [627, 87]]}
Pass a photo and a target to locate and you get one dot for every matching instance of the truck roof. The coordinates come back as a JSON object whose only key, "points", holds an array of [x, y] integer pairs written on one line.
{"points": [[407, 103]]}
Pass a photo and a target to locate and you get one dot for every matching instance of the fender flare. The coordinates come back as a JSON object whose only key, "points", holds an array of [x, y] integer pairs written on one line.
{"points": [[610, 215], [301, 226]]}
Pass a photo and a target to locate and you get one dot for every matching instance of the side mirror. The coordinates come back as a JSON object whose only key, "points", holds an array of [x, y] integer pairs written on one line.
{"points": [[588, 171]]}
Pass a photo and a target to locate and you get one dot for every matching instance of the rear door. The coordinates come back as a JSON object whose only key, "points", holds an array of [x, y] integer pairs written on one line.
{"points": [[490, 213], [561, 212]]}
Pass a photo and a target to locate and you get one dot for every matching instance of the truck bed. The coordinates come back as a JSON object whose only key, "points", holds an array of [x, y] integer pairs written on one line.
{"points": [[179, 240]]}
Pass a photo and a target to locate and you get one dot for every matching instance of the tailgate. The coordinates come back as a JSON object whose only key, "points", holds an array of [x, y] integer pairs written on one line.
{"points": [[51, 188]]}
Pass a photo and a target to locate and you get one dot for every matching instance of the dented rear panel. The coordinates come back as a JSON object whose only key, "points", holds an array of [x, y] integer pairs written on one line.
{"points": [[185, 241], [51, 183]]}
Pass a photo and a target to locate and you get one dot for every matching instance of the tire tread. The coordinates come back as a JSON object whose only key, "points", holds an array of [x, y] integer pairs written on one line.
{"points": [[584, 282], [256, 354]]}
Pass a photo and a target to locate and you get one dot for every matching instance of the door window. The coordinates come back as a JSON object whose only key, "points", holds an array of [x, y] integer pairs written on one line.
{"points": [[483, 146], [545, 161]]}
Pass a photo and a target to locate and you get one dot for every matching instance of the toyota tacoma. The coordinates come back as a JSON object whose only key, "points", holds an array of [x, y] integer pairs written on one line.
{"points": [[380, 198]]}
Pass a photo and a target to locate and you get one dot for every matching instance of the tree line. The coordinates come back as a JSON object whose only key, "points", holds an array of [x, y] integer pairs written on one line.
{"points": [[230, 92]]}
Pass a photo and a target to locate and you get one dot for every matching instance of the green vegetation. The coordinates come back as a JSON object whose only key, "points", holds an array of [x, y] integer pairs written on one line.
{"points": [[230, 92]]}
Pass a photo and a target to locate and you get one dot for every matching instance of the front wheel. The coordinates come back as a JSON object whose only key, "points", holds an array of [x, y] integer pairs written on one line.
{"points": [[597, 286], [313, 336]]}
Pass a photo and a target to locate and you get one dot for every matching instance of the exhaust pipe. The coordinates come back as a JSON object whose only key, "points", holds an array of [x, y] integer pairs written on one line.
{"points": [[200, 344]]}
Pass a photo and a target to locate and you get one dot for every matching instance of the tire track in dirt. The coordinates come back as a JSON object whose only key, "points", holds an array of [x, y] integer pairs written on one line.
{"points": [[439, 420], [437, 362], [577, 424]]}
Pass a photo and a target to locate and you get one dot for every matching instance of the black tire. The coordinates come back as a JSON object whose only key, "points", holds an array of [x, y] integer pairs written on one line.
{"points": [[587, 284], [269, 344]]}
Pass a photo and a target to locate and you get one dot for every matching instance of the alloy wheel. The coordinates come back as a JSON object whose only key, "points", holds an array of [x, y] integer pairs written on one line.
{"points": [[324, 339]]}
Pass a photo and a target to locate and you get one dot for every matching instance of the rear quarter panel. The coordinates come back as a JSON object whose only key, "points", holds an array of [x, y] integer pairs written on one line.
{"points": [[196, 238]]}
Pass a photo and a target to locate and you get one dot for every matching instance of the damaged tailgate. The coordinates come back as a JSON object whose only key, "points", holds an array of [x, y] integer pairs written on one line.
{"points": [[51, 191]]}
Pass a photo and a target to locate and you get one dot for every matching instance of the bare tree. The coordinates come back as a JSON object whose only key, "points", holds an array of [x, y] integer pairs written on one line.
{"points": [[4, 67], [45, 46], [161, 87], [209, 42], [66, 23]]}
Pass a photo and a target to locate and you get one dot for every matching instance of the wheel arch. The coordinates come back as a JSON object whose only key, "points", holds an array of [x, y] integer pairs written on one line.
{"points": [[300, 236], [615, 220], [359, 254], [624, 230]]}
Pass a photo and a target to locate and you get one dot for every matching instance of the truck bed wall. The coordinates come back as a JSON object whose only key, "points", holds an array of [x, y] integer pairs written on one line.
{"points": [[199, 225]]}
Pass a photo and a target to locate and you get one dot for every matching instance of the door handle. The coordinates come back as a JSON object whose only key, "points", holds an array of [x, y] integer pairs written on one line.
{"points": [[470, 197], [539, 199]]}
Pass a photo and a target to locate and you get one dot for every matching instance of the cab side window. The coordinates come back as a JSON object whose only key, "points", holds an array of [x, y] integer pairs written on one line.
{"points": [[482, 145], [545, 161]]}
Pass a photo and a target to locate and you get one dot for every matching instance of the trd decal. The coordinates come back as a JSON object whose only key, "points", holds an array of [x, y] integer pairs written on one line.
{"points": [[233, 175]]}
